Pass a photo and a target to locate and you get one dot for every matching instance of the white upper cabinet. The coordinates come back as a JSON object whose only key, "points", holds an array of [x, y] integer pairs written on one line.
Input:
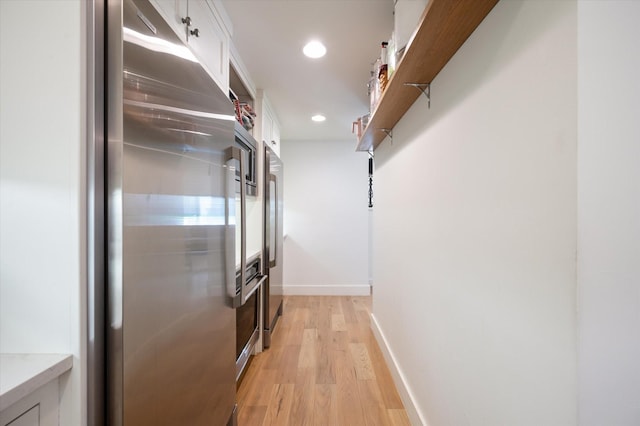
{"points": [[205, 29], [209, 39], [268, 123], [275, 136], [173, 11]]}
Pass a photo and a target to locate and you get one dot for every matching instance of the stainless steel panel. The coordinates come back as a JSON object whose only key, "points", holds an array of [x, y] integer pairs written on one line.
{"points": [[247, 330], [248, 319], [246, 142], [273, 239], [114, 213], [95, 193], [171, 234], [232, 155], [245, 353], [273, 220]]}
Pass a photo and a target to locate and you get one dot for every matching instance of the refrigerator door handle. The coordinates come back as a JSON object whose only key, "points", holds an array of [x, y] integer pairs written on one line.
{"points": [[273, 179], [235, 154]]}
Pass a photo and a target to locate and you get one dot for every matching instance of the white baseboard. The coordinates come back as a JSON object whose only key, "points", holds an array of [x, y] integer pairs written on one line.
{"points": [[327, 290], [415, 416]]}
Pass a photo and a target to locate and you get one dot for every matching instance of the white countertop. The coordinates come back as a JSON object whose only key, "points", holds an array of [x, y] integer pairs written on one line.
{"points": [[21, 374]]}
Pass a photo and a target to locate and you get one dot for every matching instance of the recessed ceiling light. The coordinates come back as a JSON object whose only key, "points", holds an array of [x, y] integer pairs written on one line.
{"points": [[314, 49], [318, 118]]}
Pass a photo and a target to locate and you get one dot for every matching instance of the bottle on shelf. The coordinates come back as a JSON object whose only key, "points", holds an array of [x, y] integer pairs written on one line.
{"points": [[372, 90], [391, 55], [383, 76]]}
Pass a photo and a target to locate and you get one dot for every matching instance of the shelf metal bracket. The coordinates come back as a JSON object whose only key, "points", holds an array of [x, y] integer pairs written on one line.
{"points": [[388, 132], [425, 88]]}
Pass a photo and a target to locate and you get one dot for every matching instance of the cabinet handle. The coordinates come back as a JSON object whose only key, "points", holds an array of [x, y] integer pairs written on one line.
{"points": [[195, 32], [187, 21], [273, 142]]}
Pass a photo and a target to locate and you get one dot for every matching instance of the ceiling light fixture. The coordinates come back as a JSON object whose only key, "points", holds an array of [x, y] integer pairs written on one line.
{"points": [[314, 49], [318, 118]]}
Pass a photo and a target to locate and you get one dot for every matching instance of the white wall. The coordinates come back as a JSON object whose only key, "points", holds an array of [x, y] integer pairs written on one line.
{"points": [[475, 228], [41, 184], [609, 212], [325, 218]]}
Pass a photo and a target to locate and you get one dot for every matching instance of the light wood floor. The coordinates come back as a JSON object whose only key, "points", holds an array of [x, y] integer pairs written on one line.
{"points": [[324, 367]]}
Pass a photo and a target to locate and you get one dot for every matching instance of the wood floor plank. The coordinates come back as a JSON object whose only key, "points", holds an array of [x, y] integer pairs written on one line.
{"points": [[358, 332], [333, 304], [313, 304], [348, 397], [279, 409], [279, 335], [303, 398], [274, 355], [292, 302], [348, 310], [309, 336], [338, 322], [339, 340], [302, 314], [398, 417], [251, 371], [372, 404], [324, 313], [324, 367], [288, 367], [388, 389], [256, 394], [361, 304], [295, 333], [362, 361], [308, 349], [251, 414], [325, 405], [363, 317]]}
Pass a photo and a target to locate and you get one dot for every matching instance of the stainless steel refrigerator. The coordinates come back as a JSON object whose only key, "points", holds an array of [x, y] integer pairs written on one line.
{"points": [[273, 240], [171, 219]]}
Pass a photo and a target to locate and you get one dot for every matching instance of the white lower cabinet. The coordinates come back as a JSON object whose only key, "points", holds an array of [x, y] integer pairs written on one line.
{"points": [[39, 408], [30, 417]]}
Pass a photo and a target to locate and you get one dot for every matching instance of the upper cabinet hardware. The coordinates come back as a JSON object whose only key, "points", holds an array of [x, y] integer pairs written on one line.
{"points": [[424, 88], [194, 32]]}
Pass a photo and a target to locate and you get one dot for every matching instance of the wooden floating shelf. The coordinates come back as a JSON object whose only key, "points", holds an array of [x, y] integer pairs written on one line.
{"points": [[445, 25]]}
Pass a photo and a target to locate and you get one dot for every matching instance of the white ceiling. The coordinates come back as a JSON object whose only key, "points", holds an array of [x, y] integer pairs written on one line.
{"points": [[269, 36]]}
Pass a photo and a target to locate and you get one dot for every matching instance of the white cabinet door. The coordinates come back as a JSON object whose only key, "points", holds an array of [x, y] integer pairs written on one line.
{"points": [[275, 138], [267, 123], [29, 418], [173, 11], [267, 126], [271, 130], [203, 31], [39, 408], [209, 41]]}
